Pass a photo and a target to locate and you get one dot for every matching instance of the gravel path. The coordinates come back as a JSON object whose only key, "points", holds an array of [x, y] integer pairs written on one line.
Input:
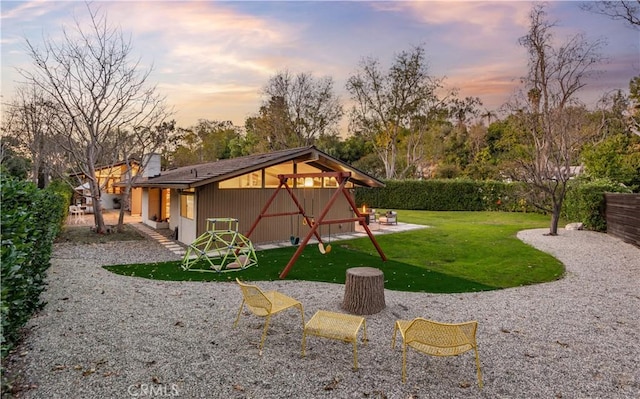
{"points": [[108, 336]]}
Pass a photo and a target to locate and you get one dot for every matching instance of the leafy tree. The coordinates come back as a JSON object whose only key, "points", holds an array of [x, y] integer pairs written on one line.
{"points": [[615, 152], [353, 148], [634, 107], [11, 163], [395, 105], [207, 141], [271, 129], [370, 164], [616, 158], [482, 160], [547, 120], [99, 91]]}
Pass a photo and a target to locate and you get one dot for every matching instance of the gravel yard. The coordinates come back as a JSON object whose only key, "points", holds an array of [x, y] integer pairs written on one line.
{"points": [[103, 335]]}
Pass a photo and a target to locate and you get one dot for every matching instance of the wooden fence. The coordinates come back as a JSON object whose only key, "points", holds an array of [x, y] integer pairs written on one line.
{"points": [[623, 217]]}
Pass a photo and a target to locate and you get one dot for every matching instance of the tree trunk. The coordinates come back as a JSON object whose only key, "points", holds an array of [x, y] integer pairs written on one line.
{"points": [[555, 219], [364, 291], [123, 201], [98, 217]]}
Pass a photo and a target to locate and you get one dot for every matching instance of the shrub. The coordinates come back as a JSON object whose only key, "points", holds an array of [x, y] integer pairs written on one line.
{"points": [[444, 195], [585, 202], [31, 218]]}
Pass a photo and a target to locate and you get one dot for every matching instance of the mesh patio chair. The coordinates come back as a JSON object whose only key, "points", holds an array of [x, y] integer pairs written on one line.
{"points": [[437, 339], [265, 304]]}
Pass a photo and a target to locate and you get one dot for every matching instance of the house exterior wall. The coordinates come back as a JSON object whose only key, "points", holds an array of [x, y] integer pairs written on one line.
{"points": [[246, 204], [174, 204], [187, 228], [106, 200], [144, 206]]}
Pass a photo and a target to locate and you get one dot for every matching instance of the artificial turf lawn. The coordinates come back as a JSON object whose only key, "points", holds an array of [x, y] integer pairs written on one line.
{"points": [[459, 252]]}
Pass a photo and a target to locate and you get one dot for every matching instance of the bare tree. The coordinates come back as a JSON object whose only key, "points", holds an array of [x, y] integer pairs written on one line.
{"points": [[392, 104], [100, 92], [628, 11], [548, 117], [301, 108], [30, 120], [140, 144]]}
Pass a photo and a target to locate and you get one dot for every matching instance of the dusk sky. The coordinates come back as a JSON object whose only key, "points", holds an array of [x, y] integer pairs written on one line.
{"points": [[211, 59]]}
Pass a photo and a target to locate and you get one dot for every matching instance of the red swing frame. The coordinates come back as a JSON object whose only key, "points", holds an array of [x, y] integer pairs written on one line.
{"points": [[342, 178]]}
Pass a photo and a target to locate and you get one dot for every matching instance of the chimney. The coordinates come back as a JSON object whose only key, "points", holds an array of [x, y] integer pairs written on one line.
{"points": [[151, 165]]}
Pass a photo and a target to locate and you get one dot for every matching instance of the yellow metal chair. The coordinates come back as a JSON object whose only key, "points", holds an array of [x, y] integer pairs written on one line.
{"points": [[265, 304], [436, 339]]}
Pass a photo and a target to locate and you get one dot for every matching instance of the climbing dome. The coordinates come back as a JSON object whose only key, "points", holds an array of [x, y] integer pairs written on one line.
{"points": [[222, 247]]}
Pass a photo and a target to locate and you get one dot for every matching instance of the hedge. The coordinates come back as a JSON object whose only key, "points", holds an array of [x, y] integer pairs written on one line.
{"points": [[31, 219], [445, 195], [585, 202]]}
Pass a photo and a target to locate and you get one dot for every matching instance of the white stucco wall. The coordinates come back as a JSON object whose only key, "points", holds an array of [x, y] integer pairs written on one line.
{"points": [[186, 227]]}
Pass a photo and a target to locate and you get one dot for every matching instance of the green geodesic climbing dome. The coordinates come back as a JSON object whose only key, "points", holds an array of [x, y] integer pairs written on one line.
{"points": [[221, 247]]}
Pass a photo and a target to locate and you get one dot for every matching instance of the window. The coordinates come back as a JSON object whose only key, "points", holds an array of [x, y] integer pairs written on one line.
{"points": [[249, 180], [187, 203], [268, 178], [271, 174], [330, 182]]}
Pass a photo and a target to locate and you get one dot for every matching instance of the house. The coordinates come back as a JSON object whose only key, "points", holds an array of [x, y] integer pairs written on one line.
{"points": [[110, 178], [184, 198]]}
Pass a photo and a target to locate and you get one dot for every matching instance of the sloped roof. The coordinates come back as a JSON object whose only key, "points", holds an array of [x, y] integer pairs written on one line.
{"points": [[206, 173], [132, 161]]}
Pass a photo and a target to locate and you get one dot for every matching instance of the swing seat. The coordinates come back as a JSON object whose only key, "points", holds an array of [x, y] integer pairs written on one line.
{"points": [[294, 240], [324, 250]]}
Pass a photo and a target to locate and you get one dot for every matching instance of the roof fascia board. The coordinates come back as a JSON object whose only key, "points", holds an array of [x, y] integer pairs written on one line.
{"points": [[239, 172]]}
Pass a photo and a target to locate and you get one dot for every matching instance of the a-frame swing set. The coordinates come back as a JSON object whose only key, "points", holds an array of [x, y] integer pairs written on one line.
{"points": [[342, 178]]}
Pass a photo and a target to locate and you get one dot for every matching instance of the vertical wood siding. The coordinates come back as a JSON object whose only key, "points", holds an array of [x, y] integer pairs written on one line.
{"points": [[623, 216], [246, 204]]}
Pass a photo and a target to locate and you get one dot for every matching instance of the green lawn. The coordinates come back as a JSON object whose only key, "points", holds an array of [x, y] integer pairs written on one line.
{"points": [[460, 252]]}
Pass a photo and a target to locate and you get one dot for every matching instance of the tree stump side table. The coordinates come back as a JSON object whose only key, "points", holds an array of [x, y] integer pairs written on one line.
{"points": [[364, 291]]}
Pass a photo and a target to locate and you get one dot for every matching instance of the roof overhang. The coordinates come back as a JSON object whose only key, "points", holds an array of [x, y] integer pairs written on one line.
{"points": [[187, 177]]}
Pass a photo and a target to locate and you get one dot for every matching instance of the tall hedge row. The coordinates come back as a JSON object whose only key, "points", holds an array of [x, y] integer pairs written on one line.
{"points": [[444, 195], [31, 219]]}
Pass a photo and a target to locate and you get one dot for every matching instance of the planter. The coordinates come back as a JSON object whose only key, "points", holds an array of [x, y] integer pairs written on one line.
{"points": [[158, 225]]}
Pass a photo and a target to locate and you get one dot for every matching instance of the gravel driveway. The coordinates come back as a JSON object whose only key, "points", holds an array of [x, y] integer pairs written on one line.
{"points": [[103, 335]]}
